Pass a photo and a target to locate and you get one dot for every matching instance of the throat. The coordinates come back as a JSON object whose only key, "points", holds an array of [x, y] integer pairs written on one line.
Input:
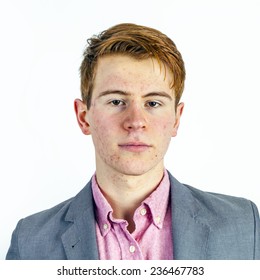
{"points": [[131, 226], [126, 215]]}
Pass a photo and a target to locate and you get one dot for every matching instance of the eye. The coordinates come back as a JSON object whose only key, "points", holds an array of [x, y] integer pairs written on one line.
{"points": [[116, 102], [153, 104]]}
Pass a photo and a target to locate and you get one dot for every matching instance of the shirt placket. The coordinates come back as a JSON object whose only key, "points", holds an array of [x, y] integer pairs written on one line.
{"points": [[129, 247]]}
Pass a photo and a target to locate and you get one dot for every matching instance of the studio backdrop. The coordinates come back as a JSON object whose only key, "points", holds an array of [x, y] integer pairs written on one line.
{"points": [[44, 157]]}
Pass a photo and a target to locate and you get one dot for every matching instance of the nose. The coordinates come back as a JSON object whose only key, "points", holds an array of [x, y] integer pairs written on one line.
{"points": [[135, 118]]}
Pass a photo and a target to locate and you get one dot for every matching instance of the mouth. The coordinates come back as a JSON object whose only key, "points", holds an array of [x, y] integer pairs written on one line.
{"points": [[135, 147]]}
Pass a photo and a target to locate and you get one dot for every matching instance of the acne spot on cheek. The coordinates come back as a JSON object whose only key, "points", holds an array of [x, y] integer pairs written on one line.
{"points": [[114, 158]]}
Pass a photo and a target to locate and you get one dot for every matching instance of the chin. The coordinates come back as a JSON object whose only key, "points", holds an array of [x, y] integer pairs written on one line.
{"points": [[135, 170]]}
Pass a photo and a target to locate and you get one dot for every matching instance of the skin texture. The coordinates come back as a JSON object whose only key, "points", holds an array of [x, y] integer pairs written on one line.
{"points": [[132, 119]]}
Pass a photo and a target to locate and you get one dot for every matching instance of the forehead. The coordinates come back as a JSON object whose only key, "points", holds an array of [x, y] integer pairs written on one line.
{"points": [[124, 70]]}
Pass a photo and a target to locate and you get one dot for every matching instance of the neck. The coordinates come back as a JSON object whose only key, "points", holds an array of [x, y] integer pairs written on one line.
{"points": [[126, 192]]}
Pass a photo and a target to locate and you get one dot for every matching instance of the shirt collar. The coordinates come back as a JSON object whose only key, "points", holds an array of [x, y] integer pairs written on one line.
{"points": [[103, 208], [157, 203]]}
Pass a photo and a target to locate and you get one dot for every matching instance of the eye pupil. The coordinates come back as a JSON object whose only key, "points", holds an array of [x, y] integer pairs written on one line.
{"points": [[116, 102], [152, 104]]}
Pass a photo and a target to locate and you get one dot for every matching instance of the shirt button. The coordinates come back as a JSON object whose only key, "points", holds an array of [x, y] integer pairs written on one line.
{"points": [[158, 219], [132, 249], [105, 226], [143, 211]]}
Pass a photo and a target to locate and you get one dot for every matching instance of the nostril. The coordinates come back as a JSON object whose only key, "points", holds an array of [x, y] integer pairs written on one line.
{"points": [[136, 125]]}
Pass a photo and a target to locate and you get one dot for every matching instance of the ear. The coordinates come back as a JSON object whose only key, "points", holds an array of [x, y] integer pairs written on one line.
{"points": [[81, 113], [178, 114]]}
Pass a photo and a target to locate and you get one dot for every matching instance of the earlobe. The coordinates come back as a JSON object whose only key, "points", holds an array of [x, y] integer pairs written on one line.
{"points": [[178, 114], [81, 114]]}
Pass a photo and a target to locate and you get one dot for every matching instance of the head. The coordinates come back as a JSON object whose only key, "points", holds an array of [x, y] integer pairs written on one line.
{"points": [[138, 42], [132, 78]]}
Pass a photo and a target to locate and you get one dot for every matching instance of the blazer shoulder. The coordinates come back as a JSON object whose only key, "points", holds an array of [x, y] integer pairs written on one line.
{"points": [[221, 202], [230, 218], [42, 217], [40, 233], [232, 223], [64, 211], [214, 207]]}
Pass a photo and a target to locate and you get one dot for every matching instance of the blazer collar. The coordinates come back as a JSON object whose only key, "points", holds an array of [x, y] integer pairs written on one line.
{"points": [[79, 240], [190, 233]]}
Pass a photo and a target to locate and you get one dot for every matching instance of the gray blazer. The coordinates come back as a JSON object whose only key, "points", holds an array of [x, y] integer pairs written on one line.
{"points": [[204, 226]]}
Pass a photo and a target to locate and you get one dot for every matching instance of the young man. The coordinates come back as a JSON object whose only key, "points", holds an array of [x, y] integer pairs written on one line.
{"points": [[132, 78]]}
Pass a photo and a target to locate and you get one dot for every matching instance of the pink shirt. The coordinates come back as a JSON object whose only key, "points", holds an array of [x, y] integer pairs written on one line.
{"points": [[152, 238]]}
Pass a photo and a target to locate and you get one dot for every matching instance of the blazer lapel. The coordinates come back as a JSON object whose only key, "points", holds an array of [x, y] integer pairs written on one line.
{"points": [[190, 233], [79, 240]]}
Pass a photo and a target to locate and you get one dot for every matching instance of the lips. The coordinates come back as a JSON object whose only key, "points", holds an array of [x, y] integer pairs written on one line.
{"points": [[135, 146]]}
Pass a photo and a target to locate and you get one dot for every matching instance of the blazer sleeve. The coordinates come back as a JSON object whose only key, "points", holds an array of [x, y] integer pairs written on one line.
{"points": [[257, 232], [13, 252]]}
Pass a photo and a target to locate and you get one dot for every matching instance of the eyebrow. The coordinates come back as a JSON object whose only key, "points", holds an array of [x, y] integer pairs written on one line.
{"points": [[124, 93]]}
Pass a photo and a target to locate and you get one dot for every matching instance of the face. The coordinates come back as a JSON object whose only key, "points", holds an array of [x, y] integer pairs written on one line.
{"points": [[132, 115]]}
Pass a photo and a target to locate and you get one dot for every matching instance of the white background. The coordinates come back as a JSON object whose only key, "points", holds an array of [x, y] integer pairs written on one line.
{"points": [[44, 157]]}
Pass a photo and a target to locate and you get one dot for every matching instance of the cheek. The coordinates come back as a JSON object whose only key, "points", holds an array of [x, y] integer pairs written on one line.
{"points": [[97, 121], [164, 126], [101, 130], [99, 133]]}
